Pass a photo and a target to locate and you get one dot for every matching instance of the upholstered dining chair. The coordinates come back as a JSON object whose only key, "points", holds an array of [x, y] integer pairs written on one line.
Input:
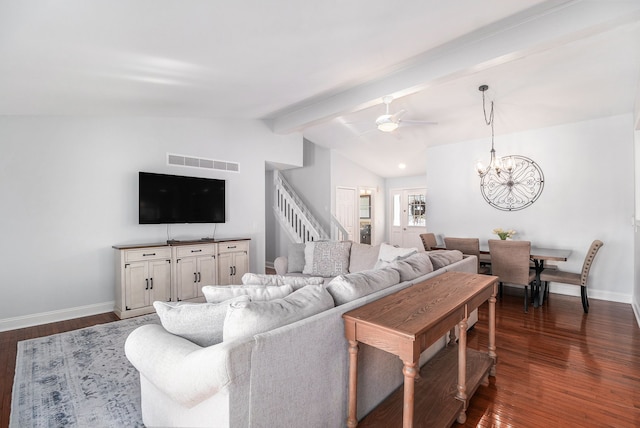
{"points": [[510, 262], [470, 246], [428, 240], [580, 278]]}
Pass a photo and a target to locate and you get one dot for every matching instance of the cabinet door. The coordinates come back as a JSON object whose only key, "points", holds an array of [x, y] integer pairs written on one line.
{"points": [[207, 273], [241, 263], [225, 268], [160, 280], [136, 285], [186, 278]]}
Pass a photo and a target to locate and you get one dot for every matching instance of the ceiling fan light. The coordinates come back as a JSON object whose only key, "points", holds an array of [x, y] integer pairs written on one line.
{"points": [[386, 123]]}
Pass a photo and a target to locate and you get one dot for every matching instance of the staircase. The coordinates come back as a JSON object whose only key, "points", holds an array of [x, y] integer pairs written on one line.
{"points": [[298, 221]]}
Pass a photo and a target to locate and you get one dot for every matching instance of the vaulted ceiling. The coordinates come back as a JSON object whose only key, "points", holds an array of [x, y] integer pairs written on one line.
{"points": [[322, 68]]}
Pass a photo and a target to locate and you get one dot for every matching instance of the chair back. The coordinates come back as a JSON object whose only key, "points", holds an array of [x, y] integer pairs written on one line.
{"points": [[588, 261], [510, 260], [428, 240], [470, 246]]}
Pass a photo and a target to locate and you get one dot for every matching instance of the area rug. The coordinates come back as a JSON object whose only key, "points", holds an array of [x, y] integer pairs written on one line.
{"points": [[81, 378]]}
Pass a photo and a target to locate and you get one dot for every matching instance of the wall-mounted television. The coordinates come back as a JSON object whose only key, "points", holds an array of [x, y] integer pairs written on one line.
{"points": [[178, 199]]}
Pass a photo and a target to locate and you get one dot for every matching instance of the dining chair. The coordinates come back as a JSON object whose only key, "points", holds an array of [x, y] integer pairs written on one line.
{"points": [[470, 246], [580, 278], [428, 240], [510, 262]]}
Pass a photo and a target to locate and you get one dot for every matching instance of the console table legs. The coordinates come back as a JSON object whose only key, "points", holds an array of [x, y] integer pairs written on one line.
{"points": [[352, 419], [462, 369], [409, 371]]}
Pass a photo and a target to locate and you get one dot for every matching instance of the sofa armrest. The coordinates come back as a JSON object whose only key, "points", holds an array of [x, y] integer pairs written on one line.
{"points": [[281, 265], [184, 371]]}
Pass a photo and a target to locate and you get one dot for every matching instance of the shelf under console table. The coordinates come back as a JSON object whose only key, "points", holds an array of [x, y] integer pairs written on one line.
{"points": [[408, 322]]}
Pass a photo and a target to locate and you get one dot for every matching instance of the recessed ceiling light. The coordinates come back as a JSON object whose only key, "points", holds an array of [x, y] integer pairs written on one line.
{"points": [[402, 166]]}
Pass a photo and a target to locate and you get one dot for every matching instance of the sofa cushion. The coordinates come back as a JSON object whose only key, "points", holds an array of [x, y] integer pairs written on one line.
{"points": [[246, 319], [295, 257], [345, 288], [413, 266], [295, 281], [220, 293], [363, 257], [326, 258], [200, 323], [442, 258]]}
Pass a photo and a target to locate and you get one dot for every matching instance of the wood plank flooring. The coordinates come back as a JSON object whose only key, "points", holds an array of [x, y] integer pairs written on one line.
{"points": [[557, 367]]}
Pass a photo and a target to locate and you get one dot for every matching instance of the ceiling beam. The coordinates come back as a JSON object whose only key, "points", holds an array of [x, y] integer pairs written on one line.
{"points": [[545, 26]]}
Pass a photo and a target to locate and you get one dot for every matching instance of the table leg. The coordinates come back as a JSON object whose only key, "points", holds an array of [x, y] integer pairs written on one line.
{"points": [[538, 299], [492, 331], [462, 369], [409, 371], [352, 419]]}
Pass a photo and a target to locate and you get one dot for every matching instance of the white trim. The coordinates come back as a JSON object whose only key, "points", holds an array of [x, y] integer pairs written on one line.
{"points": [[636, 311], [572, 290], [55, 316]]}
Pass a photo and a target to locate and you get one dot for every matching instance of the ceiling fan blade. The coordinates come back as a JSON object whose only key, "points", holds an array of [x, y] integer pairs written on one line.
{"points": [[418, 122], [396, 116]]}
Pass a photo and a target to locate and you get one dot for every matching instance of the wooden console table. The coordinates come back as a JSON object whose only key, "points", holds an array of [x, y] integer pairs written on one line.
{"points": [[408, 322]]}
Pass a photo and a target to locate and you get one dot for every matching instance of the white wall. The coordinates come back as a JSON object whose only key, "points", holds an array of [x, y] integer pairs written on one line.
{"points": [[68, 189], [588, 194]]}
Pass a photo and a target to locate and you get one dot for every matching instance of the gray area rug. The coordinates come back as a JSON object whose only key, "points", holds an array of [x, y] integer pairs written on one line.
{"points": [[81, 378]]}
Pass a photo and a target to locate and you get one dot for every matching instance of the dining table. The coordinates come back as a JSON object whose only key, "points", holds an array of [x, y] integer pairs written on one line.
{"points": [[539, 255]]}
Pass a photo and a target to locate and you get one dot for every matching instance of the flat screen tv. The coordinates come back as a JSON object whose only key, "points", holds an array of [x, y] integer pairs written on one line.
{"points": [[178, 199]]}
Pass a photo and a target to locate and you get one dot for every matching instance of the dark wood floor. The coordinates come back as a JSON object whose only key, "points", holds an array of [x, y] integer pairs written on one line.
{"points": [[557, 367]]}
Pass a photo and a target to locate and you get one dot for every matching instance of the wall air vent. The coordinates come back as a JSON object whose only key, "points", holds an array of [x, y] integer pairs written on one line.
{"points": [[195, 162]]}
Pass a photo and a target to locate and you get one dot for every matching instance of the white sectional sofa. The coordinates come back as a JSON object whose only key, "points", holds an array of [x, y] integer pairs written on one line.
{"points": [[292, 375]]}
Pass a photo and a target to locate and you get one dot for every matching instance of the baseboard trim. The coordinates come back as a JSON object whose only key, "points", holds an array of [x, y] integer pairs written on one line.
{"points": [[636, 311], [55, 316]]}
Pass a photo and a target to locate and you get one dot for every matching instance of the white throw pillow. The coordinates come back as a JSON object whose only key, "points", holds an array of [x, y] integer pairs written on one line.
{"points": [[298, 282], [278, 280], [200, 323], [345, 288], [220, 293], [260, 279], [246, 319], [389, 253], [326, 258]]}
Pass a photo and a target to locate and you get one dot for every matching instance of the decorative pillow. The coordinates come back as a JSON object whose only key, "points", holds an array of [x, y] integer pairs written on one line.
{"points": [[298, 282], [260, 279], [442, 258], [345, 288], [220, 293], [363, 257], [272, 280], [413, 266], [326, 258], [295, 258], [200, 323], [389, 254], [249, 318]]}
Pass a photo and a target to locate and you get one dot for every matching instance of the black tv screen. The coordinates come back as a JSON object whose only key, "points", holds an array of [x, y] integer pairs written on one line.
{"points": [[177, 199]]}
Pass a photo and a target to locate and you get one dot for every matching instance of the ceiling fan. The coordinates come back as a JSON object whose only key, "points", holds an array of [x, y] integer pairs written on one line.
{"points": [[390, 122]]}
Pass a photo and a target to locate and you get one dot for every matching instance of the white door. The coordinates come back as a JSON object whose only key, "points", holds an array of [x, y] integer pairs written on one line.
{"points": [[408, 217], [346, 211]]}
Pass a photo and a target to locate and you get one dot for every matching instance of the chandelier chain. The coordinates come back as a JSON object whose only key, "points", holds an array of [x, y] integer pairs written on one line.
{"points": [[489, 121]]}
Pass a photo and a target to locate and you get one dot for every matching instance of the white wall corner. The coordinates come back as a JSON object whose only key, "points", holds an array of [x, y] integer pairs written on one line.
{"points": [[55, 316], [636, 311]]}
